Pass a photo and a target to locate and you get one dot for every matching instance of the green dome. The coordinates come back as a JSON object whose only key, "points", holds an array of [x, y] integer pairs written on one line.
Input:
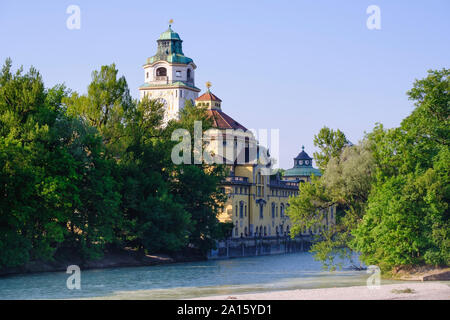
{"points": [[169, 35], [169, 49], [302, 171]]}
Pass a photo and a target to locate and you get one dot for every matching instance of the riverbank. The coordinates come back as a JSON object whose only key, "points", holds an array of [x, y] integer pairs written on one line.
{"points": [[406, 291], [110, 259]]}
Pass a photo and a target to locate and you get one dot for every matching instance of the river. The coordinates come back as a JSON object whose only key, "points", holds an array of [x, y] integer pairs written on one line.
{"points": [[185, 280]]}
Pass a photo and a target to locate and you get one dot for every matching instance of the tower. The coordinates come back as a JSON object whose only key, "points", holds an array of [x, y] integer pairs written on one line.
{"points": [[169, 75], [303, 168]]}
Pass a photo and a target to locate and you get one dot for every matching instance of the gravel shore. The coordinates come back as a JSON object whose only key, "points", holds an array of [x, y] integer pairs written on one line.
{"points": [[406, 291]]}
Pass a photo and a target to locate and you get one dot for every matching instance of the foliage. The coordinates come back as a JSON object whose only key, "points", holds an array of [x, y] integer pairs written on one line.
{"points": [[330, 144], [392, 190], [94, 171]]}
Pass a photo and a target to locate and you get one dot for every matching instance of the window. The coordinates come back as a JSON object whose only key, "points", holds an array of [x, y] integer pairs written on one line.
{"points": [[273, 210], [241, 210], [178, 73], [147, 75], [282, 210], [161, 72], [189, 74], [261, 211]]}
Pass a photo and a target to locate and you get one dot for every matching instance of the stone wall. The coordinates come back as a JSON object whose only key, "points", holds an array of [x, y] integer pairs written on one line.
{"points": [[247, 247]]}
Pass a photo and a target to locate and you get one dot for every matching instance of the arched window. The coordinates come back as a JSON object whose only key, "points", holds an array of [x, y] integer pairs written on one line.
{"points": [[276, 229], [273, 210], [241, 209], [282, 210], [161, 72], [261, 211], [188, 74], [265, 231]]}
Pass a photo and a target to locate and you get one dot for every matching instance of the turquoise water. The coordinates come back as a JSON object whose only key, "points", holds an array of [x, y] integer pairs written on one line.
{"points": [[185, 280]]}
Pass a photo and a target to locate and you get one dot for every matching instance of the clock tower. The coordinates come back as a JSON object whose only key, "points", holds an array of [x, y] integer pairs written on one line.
{"points": [[169, 75]]}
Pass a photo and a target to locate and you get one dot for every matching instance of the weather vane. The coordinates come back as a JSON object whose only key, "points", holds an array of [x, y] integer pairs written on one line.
{"points": [[208, 84]]}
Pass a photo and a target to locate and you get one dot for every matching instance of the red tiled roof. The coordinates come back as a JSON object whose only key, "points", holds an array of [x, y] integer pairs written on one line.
{"points": [[223, 121], [208, 96]]}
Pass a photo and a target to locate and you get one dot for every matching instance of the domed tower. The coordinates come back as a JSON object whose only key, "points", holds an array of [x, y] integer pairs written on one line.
{"points": [[303, 168], [169, 75]]}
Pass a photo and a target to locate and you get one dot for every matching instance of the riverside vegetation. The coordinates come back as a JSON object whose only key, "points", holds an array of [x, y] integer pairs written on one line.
{"points": [[89, 173], [391, 190]]}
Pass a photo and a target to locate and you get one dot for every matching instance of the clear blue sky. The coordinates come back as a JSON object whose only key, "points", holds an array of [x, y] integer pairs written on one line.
{"points": [[292, 65]]}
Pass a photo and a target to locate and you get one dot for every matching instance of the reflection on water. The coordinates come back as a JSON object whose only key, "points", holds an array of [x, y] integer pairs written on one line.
{"points": [[185, 280]]}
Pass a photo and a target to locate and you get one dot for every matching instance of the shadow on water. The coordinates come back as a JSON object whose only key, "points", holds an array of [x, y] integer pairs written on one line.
{"points": [[185, 280]]}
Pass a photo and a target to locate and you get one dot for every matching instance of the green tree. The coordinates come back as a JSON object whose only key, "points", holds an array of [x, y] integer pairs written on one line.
{"points": [[345, 186], [198, 185], [407, 220], [330, 143]]}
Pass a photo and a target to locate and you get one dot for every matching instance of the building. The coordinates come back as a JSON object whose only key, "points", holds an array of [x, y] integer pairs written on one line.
{"points": [[303, 168], [256, 202], [169, 76]]}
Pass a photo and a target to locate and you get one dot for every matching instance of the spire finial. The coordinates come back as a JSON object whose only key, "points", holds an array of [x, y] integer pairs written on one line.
{"points": [[170, 22], [208, 84], [303, 148]]}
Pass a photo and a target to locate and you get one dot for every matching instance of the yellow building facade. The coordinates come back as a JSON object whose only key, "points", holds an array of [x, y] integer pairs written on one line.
{"points": [[256, 202]]}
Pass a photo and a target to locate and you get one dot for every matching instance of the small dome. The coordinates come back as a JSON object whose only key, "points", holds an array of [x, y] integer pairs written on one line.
{"points": [[303, 155], [169, 35]]}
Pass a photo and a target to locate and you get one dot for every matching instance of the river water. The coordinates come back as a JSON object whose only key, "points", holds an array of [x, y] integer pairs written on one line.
{"points": [[185, 280]]}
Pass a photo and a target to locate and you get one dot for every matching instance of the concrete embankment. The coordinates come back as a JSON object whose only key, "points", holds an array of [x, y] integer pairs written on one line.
{"points": [[258, 246]]}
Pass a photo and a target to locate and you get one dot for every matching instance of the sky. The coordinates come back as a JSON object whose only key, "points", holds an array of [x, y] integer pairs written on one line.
{"points": [[295, 66]]}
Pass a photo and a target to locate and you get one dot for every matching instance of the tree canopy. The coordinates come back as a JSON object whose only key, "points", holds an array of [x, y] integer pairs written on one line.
{"points": [[391, 190], [93, 171]]}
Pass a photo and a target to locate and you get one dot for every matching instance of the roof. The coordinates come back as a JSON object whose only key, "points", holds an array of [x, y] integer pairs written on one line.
{"points": [[169, 34], [172, 53], [302, 171], [223, 121], [303, 155], [172, 58], [208, 96]]}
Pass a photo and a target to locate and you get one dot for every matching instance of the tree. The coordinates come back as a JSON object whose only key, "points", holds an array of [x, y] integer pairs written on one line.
{"points": [[156, 221], [345, 186], [330, 143], [407, 220], [105, 106], [197, 185]]}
